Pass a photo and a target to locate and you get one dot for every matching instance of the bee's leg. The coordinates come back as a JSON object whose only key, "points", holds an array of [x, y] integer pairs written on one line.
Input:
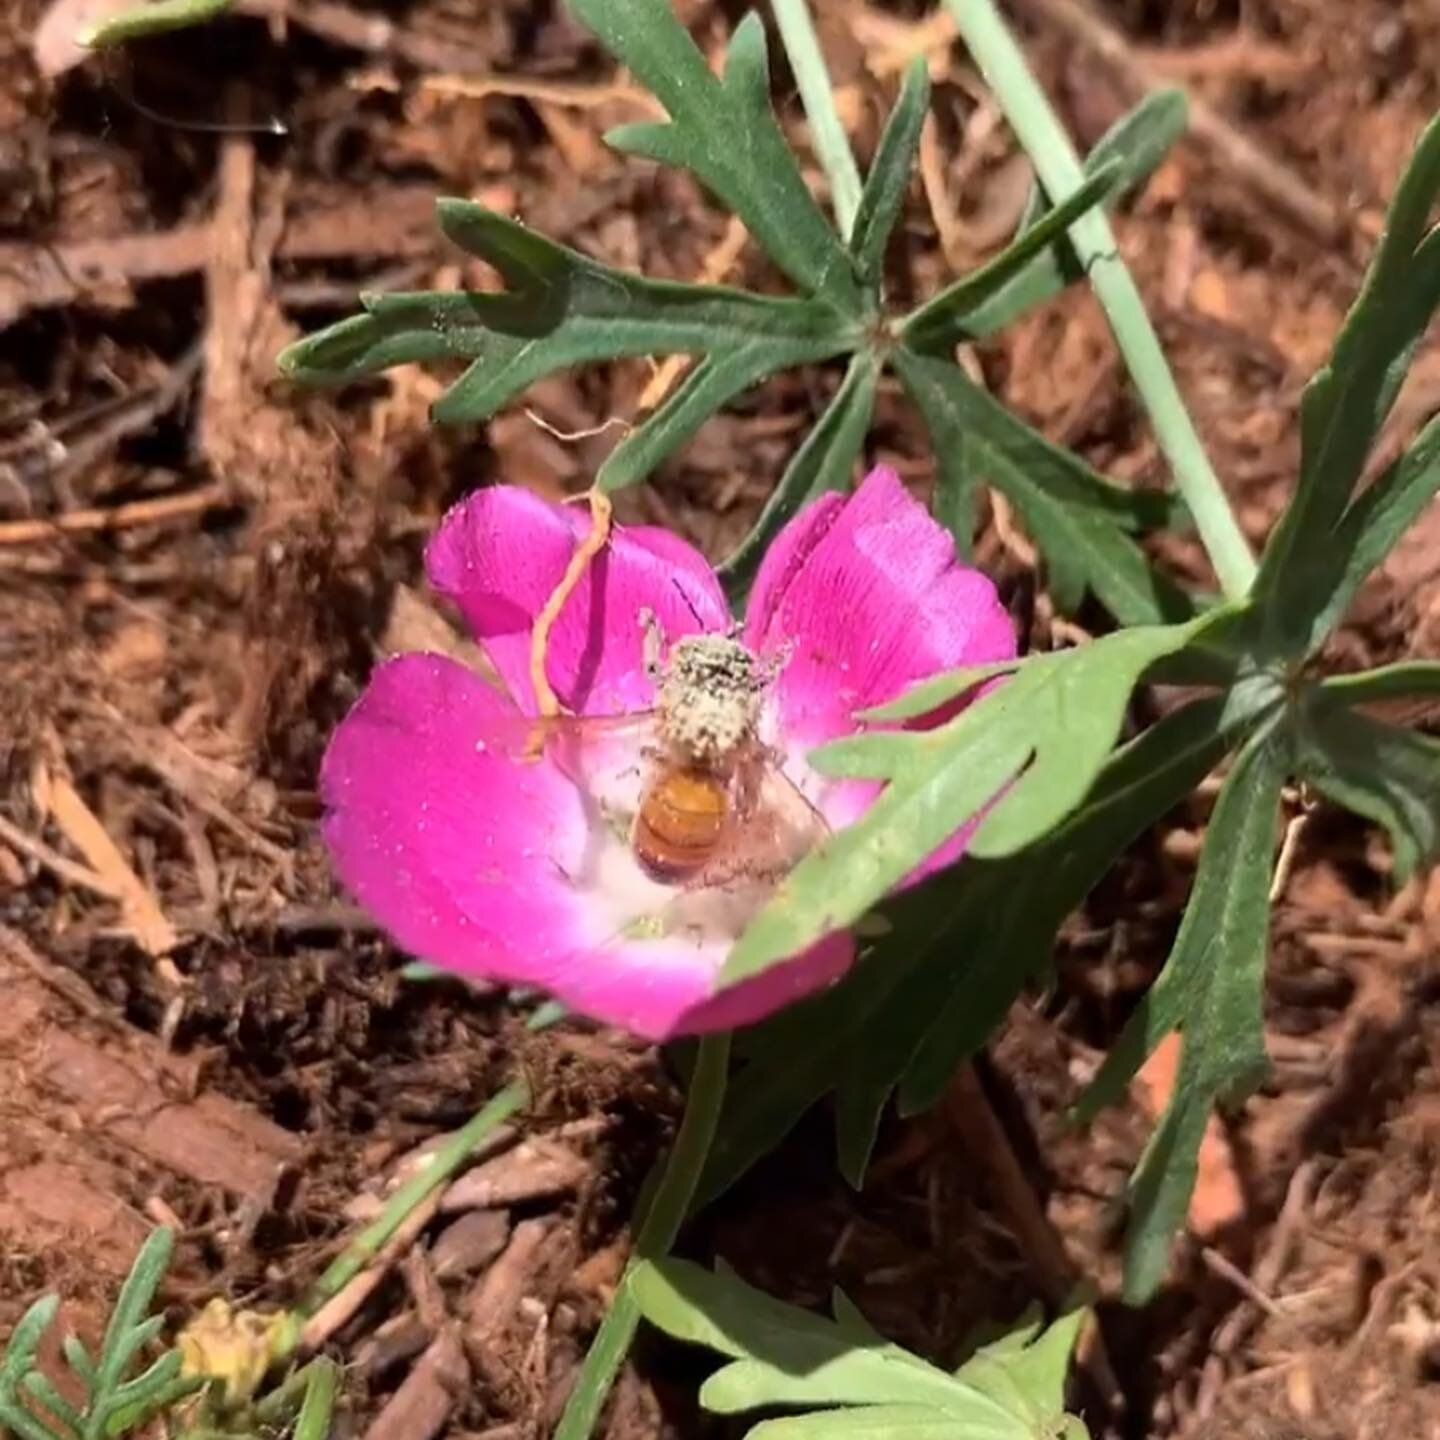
{"points": [[770, 666]]}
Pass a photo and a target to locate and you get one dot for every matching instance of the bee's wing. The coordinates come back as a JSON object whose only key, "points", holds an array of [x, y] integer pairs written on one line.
{"points": [[771, 828], [564, 738]]}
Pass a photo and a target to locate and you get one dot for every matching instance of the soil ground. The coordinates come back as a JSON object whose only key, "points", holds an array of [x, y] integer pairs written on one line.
{"points": [[198, 566]]}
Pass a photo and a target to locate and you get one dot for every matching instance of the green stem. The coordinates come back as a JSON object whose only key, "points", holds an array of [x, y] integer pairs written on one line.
{"points": [[657, 1234], [368, 1243], [152, 18], [832, 149], [1039, 130]]}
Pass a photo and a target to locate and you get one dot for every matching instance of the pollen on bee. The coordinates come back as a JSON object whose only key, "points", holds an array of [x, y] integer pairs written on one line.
{"points": [[709, 697]]}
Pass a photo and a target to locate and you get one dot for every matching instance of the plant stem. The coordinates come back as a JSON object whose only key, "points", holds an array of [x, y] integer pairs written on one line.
{"points": [[832, 149], [657, 1234], [445, 1162], [1039, 130]]}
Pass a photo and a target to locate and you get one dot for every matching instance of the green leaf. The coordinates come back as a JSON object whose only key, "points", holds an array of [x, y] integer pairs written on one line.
{"points": [[706, 389], [1139, 140], [958, 475], [1325, 577], [124, 1419], [79, 1360], [1211, 991], [131, 1311], [562, 309], [874, 1422], [1387, 682], [1345, 404], [1026, 1369], [23, 1423], [928, 696], [1385, 774], [25, 1339], [825, 461], [1015, 919], [944, 322], [889, 176], [1078, 519], [158, 1376], [797, 1057], [724, 132], [1058, 715], [785, 1356], [317, 1410]]}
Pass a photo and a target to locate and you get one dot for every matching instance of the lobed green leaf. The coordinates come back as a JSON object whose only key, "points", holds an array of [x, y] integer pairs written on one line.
{"points": [[724, 132], [1211, 991], [1385, 774], [944, 321], [560, 309], [784, 1356], [1342, 410], [1138, 141], [1079, 520], [889, 176], [825, 461], [1013, 923], [1056, 718], [19, 1354], [1324, 577], [706, 389], [39, 1385]]}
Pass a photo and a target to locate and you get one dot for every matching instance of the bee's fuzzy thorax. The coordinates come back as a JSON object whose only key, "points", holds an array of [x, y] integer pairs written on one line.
{"points": [[709, 698]]}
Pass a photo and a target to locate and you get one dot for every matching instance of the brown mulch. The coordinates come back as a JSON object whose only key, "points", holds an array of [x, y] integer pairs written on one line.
{"points": [[198, 565]]}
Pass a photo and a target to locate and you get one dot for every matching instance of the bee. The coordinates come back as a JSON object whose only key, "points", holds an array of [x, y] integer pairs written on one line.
{"points": [[700, 798], [715, 794]]}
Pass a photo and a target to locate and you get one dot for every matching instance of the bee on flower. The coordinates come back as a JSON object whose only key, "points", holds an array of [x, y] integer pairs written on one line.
{"points": [[615, 862]]}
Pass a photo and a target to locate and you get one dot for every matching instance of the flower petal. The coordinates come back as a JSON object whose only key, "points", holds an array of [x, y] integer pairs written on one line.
{"points": [[500, 554], [494, 867], [660, 989], [441, 834], [859, 598]]}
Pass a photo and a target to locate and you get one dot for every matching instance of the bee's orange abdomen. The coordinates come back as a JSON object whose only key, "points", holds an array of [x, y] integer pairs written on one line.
{"points": [[679, 822]]}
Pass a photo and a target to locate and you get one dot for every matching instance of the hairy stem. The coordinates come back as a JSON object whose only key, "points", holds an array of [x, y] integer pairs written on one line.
{"points": [[1039, 130], [832, 149], [657, 1234]]}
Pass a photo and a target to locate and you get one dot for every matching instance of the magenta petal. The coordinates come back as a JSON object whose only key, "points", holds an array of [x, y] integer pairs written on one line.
{"points": [[821, 965], [499, 868], [443, 836], [658, 989], [858, 599], [500, 554]]}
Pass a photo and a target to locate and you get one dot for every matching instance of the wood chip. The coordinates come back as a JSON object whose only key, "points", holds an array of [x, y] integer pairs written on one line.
{"points": [[531, 1171], [400, 1338], [470, 1243], [419, 1409], [1218, 1199], [492, 1303], [139, 909]]}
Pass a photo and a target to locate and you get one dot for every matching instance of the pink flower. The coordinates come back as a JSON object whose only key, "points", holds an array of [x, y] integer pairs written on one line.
{"points": [[524, 872]]}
